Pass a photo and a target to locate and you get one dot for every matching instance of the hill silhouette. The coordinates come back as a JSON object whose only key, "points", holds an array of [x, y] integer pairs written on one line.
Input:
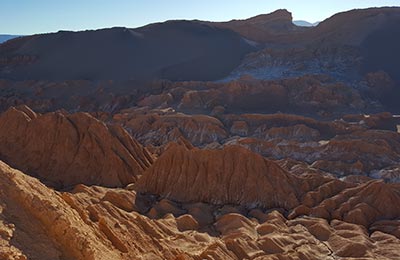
{"points": [[176, 50]]}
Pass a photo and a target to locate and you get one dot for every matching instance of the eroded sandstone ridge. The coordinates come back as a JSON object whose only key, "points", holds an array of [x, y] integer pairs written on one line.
{"points": [[222, 177], [312, 198], [37, 222], [67, 149], [233, 175]]}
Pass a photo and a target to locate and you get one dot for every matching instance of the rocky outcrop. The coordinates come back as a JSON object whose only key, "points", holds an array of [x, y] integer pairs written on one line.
{"points": [[256, 232], [159, 128], [68, 149], [265, 27], [305, 94], [300, 133], [102, 223], [219, 177], [337, 147], [342, 147], [39, 223], [351, 203], [42, 224], [239, 128], [339, 157]]}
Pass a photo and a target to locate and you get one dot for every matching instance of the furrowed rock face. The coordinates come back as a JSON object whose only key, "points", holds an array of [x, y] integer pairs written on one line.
{"points": [[155, 129], [101, 223], [219, 177], [360, 205], [51, 229], [67, 149]]}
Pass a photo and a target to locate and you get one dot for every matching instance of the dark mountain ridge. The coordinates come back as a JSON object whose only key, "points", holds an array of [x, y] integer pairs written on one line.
{"points": [[6, 37], [176, 50]]}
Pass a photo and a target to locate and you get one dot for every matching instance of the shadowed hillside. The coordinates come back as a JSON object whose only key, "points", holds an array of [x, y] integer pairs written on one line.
{"points": [[176, 50]]}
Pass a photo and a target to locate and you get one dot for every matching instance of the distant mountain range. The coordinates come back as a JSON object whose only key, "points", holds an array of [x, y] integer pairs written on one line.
{"points": [[200, 50], [305, 23], [6, 37], [175, 50]]}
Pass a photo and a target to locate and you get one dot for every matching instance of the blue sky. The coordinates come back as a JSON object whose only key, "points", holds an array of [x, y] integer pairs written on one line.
{"points": [[38, 16]]}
